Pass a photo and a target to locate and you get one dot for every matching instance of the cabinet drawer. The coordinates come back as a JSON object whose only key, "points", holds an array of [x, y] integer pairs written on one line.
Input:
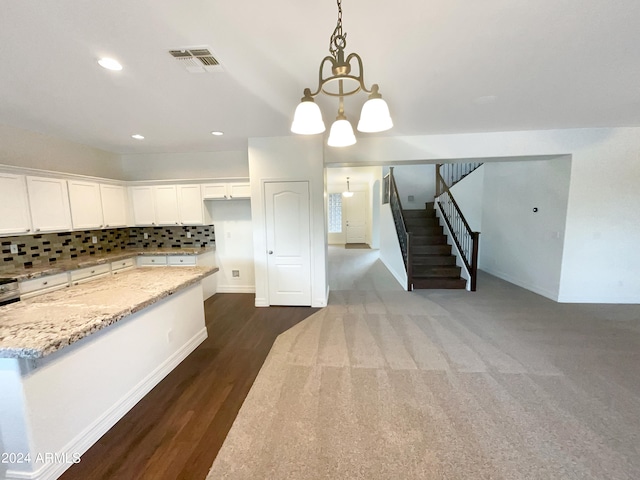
{"points": [[123, 264], [145, 261], [43, 284], [84, 274], [181, 260]]}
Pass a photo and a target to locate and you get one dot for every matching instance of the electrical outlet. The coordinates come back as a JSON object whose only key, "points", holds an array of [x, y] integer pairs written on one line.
{"points": [[13, 248], [235, 273], [146, 236], [94, 239], [188, 234]]}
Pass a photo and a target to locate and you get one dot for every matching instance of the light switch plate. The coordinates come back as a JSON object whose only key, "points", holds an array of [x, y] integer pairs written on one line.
{"points": [[13, 248], [188, 234], [235, 273], [94, 239], [146, 236]]}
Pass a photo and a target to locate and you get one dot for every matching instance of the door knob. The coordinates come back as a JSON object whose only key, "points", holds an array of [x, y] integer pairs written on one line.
{"points": [[270, 252]]}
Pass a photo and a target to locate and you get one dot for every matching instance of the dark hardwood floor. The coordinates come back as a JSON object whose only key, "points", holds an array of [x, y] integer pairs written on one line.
{"points": [[175, 432]]}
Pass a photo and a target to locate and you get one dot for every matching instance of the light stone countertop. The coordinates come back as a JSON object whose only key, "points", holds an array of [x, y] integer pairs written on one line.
{"points": [[44, 324], [90, 260]]}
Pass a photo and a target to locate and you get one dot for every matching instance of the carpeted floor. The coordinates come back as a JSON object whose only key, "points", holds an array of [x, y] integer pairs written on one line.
{"points": [[496, 384]]}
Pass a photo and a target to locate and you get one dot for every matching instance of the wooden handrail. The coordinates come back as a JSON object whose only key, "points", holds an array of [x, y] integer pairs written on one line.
{"points": [[400, 222], [471, 262]]}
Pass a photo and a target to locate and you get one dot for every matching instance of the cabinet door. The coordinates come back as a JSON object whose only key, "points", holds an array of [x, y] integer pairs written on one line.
{"points": [[86, 206], [166, 201], [191, 204], [114, 205], [213, 191], [143, 209], [49, 204], [239, 190], [14, 207]]}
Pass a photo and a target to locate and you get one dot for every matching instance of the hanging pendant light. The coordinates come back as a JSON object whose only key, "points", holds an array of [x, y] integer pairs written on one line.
{"points": [[347, 193], [375, 115]]}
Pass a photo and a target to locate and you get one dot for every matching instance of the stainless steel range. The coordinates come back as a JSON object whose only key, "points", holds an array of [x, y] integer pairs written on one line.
{"points": [[9, 291]]}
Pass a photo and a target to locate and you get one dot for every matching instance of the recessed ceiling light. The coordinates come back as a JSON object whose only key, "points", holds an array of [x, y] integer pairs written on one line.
{"points": [[109, 64], [137, 137], [217, 133]]}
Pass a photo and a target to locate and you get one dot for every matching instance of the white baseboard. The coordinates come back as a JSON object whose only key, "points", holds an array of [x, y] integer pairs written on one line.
{"points": [[82, 443], [236, 289], [261, 302]]}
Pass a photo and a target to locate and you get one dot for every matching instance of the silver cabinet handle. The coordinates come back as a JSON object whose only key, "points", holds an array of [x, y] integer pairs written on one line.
{"points": [[93, 271], [37, 229], [45, 283], [270, 252], [28, 230]]}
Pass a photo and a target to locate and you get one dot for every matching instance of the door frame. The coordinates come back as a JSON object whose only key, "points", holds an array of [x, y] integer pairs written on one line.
{"points": [[265, 255]]}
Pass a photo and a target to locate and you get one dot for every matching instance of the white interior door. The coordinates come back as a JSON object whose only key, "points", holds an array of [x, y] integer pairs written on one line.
{"points": [[355, 209], [288, 242]]}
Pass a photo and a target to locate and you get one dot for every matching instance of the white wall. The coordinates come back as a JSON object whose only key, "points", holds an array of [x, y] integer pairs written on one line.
{"points": [[22, 148], [169, 166], [418, 181], [519, 245], [289, 159], [600, 255], [468, 194], [234, 245]]}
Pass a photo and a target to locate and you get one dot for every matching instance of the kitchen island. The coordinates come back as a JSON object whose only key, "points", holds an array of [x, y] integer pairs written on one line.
{"points": [[74, 361]]}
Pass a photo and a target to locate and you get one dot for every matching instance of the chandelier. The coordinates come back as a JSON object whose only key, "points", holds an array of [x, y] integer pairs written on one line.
{"points": [[341, 83]]}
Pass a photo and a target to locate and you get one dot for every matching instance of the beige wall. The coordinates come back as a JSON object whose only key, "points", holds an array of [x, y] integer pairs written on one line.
{"points": [[22, 148]]}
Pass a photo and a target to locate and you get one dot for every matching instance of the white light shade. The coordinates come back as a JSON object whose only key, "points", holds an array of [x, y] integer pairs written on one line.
{"points": [[375, 116], [308, 119], [347, 194], [341, 134]]}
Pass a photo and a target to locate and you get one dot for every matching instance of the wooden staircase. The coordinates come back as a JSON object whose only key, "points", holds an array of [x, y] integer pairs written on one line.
{"points": [[433, 264]]}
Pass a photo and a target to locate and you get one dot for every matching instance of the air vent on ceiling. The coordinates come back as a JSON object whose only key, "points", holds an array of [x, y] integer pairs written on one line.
{"points": [[196, 59]]}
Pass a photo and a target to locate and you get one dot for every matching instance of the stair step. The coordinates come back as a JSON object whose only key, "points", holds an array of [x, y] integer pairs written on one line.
{"points": [[419, 213], [425, 231], [433, 260], [422, 271], [437, 283], [422, 222], [428, 240], [431, 249]]}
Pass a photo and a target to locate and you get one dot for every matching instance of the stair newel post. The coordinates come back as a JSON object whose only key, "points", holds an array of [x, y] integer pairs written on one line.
{"points": [[438, 176], [474, 261]]}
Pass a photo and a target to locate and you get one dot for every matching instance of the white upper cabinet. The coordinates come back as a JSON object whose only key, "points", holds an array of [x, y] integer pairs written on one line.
{"points": [[190, 204], [226, 191], [114, 205], [49, 204], [86, 204], [14, 207], [143, 205], [239, 190], [166, 204]]}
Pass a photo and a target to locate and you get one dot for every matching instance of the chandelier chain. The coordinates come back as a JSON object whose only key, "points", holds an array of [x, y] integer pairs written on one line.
{"points": [[338, 40]]}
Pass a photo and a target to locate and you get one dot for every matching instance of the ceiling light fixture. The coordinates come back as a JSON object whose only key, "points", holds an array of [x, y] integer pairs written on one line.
{"points": [[137, 136], [347, 193], [217, 133], [374, 117], [110, 64]]}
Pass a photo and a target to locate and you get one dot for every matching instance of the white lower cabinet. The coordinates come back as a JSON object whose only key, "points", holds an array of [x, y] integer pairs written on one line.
{"points": [[38, 286], [181, 260], [123, 265], [83, 275], [152, 260]]}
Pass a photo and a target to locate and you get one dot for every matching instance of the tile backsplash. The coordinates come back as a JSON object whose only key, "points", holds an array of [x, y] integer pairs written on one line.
{"points": [[47, 248]]}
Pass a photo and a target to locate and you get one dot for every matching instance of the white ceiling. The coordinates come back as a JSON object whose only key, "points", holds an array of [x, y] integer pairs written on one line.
{"points": [[551, 64]]}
